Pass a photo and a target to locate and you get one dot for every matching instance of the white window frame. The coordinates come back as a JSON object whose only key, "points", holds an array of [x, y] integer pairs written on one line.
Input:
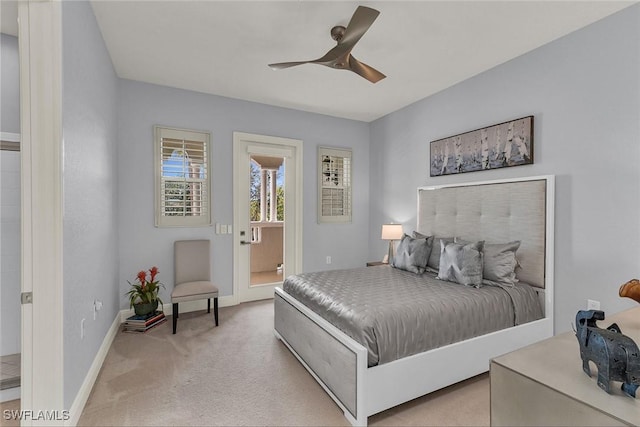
{"points": [[343, 183], [161, 132]]}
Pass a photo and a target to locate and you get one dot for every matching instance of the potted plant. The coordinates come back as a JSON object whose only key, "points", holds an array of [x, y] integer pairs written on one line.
{"points": [[143, 295]]}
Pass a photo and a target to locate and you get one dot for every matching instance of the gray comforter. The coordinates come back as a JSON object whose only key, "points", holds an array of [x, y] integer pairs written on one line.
{"points": [[395, 313]]}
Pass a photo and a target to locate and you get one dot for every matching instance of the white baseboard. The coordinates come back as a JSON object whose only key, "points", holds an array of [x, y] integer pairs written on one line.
{"points": [[186, 307], [87, 385], [9, 394]]}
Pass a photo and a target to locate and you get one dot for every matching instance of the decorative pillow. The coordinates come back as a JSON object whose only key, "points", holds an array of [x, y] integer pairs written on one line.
{"points": [[434, 258], [500, 263], [461, 263], [412, 254]]}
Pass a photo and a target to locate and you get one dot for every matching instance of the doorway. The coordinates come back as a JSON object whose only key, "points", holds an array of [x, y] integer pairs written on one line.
{"points": [[267, 213]]}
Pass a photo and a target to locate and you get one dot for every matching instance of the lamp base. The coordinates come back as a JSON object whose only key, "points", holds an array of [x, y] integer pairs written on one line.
{"points": [[391, 252]]}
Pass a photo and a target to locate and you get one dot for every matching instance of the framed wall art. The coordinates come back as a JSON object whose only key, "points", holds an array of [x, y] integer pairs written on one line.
{"points": [[498, 146]]}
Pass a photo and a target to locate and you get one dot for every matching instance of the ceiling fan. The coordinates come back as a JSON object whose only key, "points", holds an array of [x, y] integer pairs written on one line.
{"points": [[340, 56]]}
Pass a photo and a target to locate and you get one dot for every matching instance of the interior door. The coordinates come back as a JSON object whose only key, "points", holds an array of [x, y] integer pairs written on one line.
{"points": [[289, 151], [40, 52]]}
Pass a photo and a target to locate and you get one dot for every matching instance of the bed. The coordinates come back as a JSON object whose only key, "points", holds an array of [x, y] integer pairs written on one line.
{"points": [[355, 364]]}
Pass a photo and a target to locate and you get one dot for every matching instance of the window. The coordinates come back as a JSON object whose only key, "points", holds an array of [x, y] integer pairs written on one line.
{"points": [[183, 188], [334, 193]]}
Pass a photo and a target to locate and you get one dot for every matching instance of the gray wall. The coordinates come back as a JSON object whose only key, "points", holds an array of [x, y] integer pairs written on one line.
{"points": [[9, 84], [142, 245], [584, 91], [9, 199], [90, 264]]}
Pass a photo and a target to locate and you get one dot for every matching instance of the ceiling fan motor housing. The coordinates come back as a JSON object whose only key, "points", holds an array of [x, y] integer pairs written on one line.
{"points": [[337, 32]]}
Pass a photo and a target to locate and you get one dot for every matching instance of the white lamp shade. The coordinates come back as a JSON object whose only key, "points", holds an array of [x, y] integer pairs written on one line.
{"points": [[392, 232]]}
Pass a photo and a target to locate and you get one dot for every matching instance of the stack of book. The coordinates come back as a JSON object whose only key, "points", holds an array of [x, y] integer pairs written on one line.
{"points": [[142, 323]]}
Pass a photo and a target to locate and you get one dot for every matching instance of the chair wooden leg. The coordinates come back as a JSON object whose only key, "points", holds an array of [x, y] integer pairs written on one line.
{"points": [[208, 305], [175, 316], [215, 309]]}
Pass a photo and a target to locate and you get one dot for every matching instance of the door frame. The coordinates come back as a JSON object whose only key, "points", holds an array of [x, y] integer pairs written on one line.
{"points": [[268, 145], [40, 52]]}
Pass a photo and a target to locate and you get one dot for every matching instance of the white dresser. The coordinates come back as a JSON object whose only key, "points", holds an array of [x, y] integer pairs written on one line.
{"points": [[544, 385]]}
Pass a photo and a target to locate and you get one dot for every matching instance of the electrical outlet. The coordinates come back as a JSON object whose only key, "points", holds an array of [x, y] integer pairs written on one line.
{"points": [[328, 259], [593, 305], [97, 305], [82, 329]]}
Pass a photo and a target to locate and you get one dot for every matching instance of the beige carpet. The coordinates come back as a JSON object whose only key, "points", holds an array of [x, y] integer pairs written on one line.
{"points": [[240, 374], [7, 409]]}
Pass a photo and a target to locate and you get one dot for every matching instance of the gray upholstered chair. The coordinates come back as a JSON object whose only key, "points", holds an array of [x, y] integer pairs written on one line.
{"points": [[192, 266]]}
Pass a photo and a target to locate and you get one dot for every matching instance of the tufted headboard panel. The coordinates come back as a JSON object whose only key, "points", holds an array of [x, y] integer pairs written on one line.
{"points": [[496, 212]]}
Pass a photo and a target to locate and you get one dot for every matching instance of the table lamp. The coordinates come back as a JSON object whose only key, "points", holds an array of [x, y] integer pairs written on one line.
{"points": [[391, 232]]}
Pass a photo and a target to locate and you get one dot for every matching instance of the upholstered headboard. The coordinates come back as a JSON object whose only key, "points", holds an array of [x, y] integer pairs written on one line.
{"points": [[496, 212]]}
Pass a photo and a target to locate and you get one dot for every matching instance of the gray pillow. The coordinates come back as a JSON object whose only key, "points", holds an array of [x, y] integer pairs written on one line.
{"points": [[412, 254], [500, 262], [418, 235], [435, 247], [461, 263], [434, 258]]}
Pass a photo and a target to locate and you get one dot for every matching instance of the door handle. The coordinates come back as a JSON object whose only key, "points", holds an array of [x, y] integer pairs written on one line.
{"points": [[242, 242]]}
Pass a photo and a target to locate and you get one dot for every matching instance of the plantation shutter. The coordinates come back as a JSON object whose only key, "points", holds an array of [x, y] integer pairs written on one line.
{"points": [[183, 195], [334, 192]]}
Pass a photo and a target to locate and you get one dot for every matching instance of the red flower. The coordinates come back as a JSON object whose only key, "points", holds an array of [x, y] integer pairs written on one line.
{"points": [[142, 277], [153, 271]]}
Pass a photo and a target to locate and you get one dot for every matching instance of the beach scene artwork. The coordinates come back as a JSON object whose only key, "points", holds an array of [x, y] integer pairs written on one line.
{"points": [[498, 146]]}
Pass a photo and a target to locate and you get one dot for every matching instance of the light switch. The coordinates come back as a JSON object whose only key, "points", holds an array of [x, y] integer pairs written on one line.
{"points": [[223, 229]]}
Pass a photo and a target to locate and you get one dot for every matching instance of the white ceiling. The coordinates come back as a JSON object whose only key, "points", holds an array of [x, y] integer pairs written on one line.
{"points": [[223, 47]]}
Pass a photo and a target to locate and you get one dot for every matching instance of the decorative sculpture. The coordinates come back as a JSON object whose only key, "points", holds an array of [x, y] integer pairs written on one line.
{"points": [[631, 289], [616, 355]]}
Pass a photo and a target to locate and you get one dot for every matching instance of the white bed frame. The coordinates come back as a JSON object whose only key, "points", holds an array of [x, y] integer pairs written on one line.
{"points": [[381, 387]]}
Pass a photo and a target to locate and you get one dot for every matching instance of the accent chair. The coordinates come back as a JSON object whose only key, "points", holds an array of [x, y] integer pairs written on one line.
{"points": [[192, 266]]}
